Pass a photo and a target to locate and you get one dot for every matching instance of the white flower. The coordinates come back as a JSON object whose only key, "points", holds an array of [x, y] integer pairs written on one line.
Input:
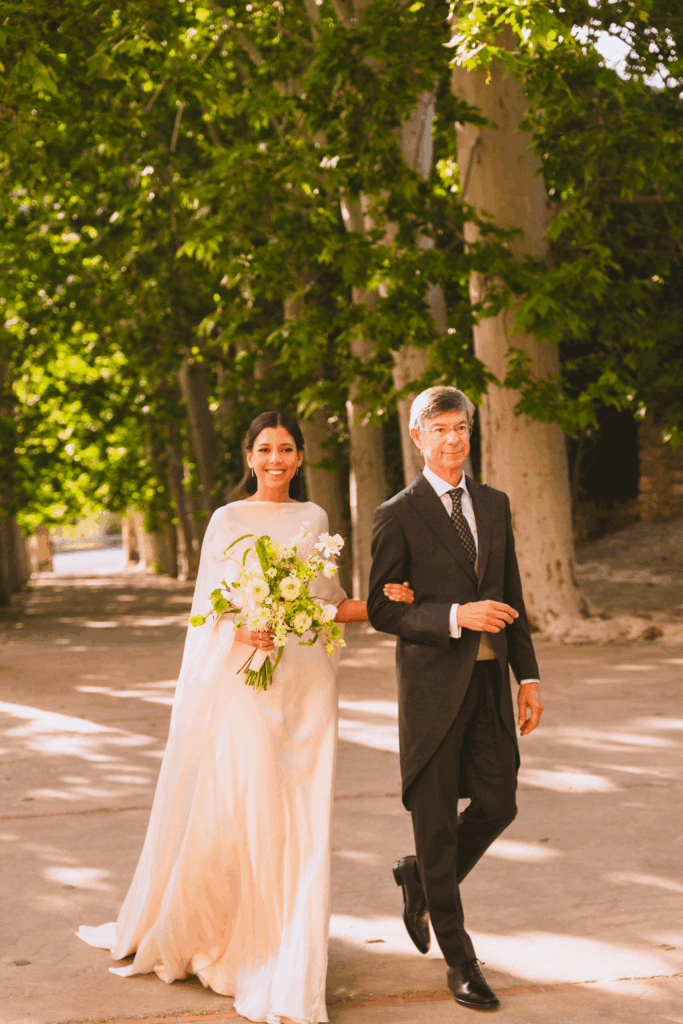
{"points": [[298, 537], [256, 589], [302, 621], [329, 569], [290, 587], [237, 598], [330, 546], [271, 572], [328, 612], [257, 618], [280, 638]]}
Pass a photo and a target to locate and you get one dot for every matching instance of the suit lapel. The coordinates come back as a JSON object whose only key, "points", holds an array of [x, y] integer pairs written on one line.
{"points": [[482, 517], [426, 501]]}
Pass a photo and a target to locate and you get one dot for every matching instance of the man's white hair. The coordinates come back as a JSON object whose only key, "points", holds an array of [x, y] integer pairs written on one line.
{"points": [[433, 401]]}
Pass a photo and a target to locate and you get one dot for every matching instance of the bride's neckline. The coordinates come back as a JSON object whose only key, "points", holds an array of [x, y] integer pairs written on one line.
{"points": [[259, 501]]}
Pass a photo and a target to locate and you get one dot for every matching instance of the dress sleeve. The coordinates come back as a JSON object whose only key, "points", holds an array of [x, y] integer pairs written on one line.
{"points": [[326, 590]]}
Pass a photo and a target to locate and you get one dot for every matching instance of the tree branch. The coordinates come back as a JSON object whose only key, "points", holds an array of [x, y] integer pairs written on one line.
{"points": [[343, 13], [155, 96], [211, 129], [176, 126], [666, 253], [313, 14], [247, 45], [635, 201]]}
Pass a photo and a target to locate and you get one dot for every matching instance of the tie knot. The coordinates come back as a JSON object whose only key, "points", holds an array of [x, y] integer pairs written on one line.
{"points": [[456, 495]]}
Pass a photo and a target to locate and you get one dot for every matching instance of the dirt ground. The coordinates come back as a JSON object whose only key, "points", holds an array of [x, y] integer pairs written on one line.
{"points": [[576, 910]]}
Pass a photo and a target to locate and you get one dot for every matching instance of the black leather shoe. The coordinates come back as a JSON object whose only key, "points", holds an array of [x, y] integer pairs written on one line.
{"points": [[469, 987], [415, 913]]}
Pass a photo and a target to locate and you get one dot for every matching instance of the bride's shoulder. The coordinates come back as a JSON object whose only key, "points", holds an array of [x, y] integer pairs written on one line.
{"points": [[225, 517], [309, 510]]}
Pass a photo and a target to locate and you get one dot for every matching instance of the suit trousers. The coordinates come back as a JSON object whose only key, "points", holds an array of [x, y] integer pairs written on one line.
{"points": [[477, 756]]}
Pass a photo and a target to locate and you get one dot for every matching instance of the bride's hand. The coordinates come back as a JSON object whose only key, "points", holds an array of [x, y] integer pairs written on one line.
{"points": [[262, 639], [399, 592]]}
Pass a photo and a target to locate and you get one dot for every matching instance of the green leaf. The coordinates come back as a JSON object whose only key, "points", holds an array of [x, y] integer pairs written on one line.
{"points": [[260, 548]]}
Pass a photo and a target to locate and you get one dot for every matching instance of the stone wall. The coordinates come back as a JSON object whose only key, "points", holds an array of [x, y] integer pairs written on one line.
{"points": [[661, 475]]}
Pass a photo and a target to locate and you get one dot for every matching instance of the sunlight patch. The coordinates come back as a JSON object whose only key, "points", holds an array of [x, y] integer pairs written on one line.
{"points": [[80, 878], [513, 849], [566, 781], [378, 737], [547, 957], [633, 878], [387, 708]]}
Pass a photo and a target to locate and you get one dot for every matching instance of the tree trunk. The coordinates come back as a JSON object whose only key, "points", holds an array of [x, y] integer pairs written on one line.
{"points": [[6, 557], [187, 541], [204, 438], [367, 478], [410, 362], [323, 486], [160, 550], [523, 457], [129, 542], [43, 550], [226, 407]]}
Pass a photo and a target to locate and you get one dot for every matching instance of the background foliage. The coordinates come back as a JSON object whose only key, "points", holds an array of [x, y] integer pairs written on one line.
{"points": [[173, 175]]}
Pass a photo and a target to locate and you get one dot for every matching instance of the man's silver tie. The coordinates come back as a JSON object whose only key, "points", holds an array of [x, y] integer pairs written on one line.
{"points": [[461, 524]]}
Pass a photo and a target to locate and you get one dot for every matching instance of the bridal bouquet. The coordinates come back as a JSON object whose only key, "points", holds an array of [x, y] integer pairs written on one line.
{"points": [[272, 593]]}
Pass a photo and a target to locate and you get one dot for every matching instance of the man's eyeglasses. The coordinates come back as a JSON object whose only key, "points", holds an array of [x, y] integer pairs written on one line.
{"points": [[462, 431]]}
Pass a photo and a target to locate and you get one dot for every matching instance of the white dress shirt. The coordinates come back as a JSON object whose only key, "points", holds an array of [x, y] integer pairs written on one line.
{"points": [[442, 487]]}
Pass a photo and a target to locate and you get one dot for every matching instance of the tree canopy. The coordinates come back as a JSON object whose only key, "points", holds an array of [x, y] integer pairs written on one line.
{"points": [[175, 176]]}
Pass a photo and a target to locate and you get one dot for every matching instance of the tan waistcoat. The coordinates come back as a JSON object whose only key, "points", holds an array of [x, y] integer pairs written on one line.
{"points": [[486, 651]]}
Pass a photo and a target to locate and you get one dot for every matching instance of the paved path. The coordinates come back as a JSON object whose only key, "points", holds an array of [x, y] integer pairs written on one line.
{"points": [[576, 910]]}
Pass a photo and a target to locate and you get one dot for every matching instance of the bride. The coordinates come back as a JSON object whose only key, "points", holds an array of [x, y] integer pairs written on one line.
{"points": [[233, 883]]}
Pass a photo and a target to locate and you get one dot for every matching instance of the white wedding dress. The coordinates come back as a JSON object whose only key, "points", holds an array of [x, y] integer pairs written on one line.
{"points": [[233, 883]]}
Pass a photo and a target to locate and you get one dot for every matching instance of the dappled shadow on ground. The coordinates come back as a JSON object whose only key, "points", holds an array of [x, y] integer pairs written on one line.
{"points": [[584, 886]]}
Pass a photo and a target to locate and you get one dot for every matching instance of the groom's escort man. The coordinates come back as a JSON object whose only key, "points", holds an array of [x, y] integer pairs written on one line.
{"points": [[452, 538]]}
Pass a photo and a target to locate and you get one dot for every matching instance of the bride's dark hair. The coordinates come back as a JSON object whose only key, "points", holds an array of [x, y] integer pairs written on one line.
{"points": [[249, 484]]}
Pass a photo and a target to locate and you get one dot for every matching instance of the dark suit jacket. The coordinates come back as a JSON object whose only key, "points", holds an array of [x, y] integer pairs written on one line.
{"points": [[414, 539]]}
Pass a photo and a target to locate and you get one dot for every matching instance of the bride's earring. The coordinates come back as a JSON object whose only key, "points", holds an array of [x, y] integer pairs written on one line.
{"points": [[252, 471], [297, 471]]}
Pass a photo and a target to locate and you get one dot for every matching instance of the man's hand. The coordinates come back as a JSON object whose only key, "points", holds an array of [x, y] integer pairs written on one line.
{"points": [[486, 616], [529, 699]]}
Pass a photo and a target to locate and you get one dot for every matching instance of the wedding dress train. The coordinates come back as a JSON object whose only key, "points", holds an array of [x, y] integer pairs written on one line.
{"points": [[233, 881]]}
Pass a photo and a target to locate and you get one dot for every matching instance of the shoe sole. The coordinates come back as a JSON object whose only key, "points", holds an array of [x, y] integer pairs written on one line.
{"points": [[478, 1006], [399, 882]]}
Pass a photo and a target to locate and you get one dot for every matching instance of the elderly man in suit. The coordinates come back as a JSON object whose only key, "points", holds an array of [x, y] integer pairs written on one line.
{"points": [[452, 538]]}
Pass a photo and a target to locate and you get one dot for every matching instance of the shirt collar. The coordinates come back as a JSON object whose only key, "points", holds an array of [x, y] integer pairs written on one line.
{"points": [[442, 486]]}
